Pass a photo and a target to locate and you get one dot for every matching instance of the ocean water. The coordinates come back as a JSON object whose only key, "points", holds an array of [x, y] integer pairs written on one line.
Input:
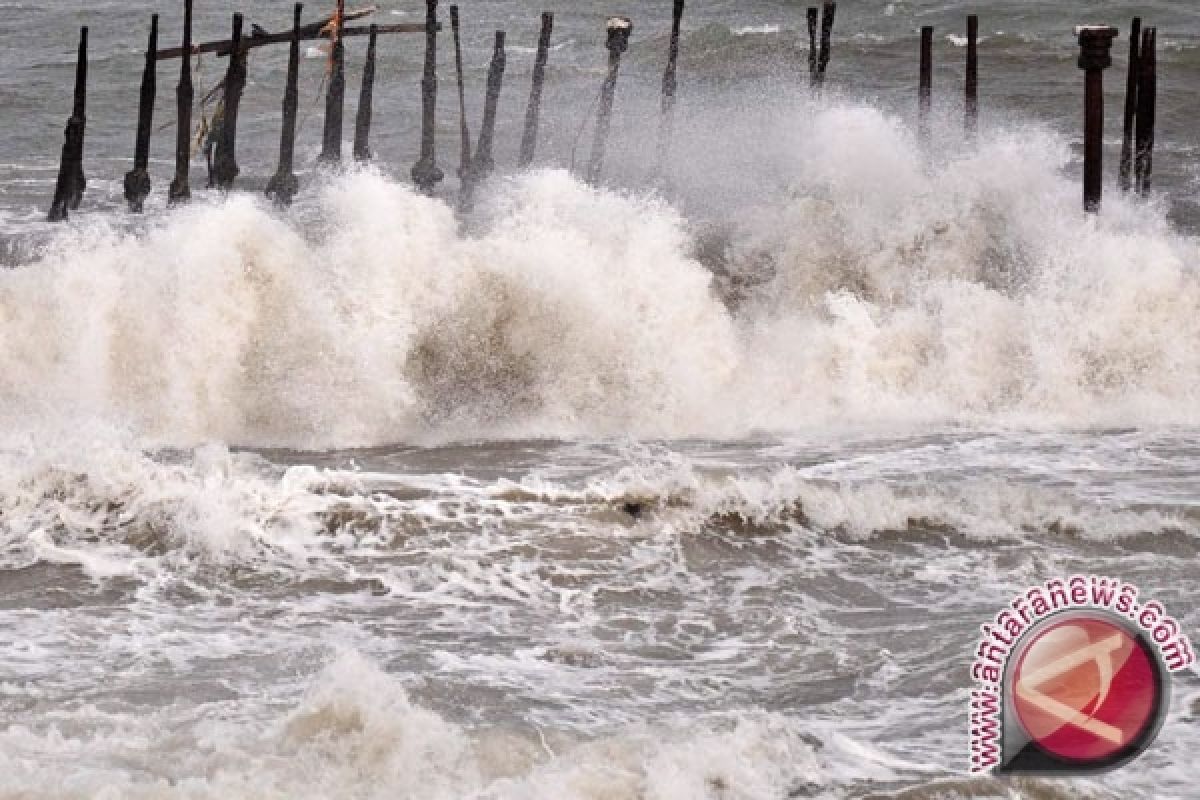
{"points": [[688, 485]]}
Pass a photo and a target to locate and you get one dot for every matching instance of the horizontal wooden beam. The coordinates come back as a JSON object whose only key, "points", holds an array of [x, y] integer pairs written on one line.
{"points": [[307, 33]]}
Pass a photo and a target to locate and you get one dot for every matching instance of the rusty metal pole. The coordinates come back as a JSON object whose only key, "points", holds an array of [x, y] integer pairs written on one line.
{"points": [[534, 109], [814, 20], [425, 173], [670, 85], [464, 131], [1147, 106], [828, 11], [335, 98], [180, 190], [283, 184], [137, 180], [225, 167], [619, 29], [68, 191], [1133, 76], [1095, 45], [925, 88], [362, 122], [972, 84]]}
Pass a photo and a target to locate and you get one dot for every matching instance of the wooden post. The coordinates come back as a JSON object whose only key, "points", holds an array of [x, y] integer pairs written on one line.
{"points": [[137, 180], [180, 190], [1133, 76], [828, 10], [972, 84], [283, 184], [464, 132], [534, 110], [362, 123], [68, 191], [925, 88], [335, 98], [425, 173], [813, 21], [483, 164], [619, 29], [225, 168], [1095, 44], [670, 84], [1147, 93]]}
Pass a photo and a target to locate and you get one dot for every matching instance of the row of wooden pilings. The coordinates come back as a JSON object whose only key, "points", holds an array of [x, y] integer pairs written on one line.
{"points": [[475, 164], [1141, 98], [1095, 43]]}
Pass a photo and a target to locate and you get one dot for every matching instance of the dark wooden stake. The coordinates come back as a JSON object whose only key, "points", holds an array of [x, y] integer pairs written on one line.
{"points": [[68, 191], [972, 84], [925, 88], [670, 85], [1147, 93], [534, 110], [180, 190], [335, 98], [283, 184], [1125, 176], [464, 131], [828, 11], [483, 163], [425, 173], [225, 167], [362, 123], [1095, 45], [814, 20], [137, 180], [619, 29]]}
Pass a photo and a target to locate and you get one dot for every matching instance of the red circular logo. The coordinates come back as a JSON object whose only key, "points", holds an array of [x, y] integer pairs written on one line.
{"points": [[1086, 689]]}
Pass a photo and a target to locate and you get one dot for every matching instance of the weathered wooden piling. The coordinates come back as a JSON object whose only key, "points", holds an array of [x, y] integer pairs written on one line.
{"points": [[464, 131], [68, 190], [670, 86], [1132, 77], [484, 163], [971, 103], [1095, 45], [180, 190], [225, 167], [533, 111], [283, 184], [814, 20], [925, 86], [335, 97], [362, 122], [828, 11], [137, 180], [619, 30], [1147, 92], [425, 173]]}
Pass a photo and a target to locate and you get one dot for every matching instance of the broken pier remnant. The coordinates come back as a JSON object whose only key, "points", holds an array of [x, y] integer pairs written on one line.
{"points": [[619, 30], [68, 190], [1095, 45]]}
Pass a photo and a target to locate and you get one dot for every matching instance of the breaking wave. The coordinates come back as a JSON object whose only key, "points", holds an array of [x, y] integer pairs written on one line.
{"points": [[874, 287]]}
